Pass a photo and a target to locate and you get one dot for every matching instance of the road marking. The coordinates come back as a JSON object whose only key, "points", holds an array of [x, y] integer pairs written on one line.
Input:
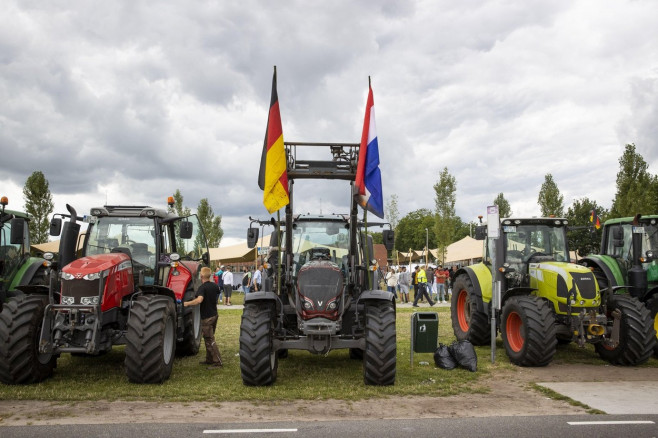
{"points": [[589, 423], [249, 431]]}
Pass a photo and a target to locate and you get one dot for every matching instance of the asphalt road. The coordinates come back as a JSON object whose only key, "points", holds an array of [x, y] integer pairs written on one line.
{"points": [[600, 426]]}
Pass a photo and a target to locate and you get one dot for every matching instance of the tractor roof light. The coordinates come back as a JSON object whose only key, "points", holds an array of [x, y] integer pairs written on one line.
{"points": [[517, 222], [99, 212], [170, 201], [4, 201]]}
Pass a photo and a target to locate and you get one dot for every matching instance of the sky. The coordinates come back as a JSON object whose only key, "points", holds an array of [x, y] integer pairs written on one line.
{"points": [[124, 102]]}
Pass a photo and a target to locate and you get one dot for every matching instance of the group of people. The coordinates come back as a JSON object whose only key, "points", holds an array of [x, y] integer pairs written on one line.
{"points": [[427, 282], [251, 282]]}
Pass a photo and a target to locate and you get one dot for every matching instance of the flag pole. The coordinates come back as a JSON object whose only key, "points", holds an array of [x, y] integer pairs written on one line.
{"points": [[365, 226], [278, 256]]}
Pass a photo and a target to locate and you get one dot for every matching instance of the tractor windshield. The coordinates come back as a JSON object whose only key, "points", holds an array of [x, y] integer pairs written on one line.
{"points": [[524, 242], [134, 236], [10, 255], [328, 240], [620, 243]]}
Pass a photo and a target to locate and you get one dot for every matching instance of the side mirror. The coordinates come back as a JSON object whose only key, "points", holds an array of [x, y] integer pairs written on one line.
{"points": [[618, 234], [274, 239], [206, 259], [480, 232], [252, 237], [186, 229], [388, 236], [17, 231], [55, 226]]}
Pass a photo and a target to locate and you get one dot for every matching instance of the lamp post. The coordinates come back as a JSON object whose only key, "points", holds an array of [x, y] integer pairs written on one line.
{"points": [[427, 246]]}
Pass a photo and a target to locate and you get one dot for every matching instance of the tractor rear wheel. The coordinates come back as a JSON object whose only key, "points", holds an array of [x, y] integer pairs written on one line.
{"points": [[20, 330], [652, 305], [468, 323], [150, 339], [637, 336], [528, 330], [259, 361], [189, 346], [379, 356]]}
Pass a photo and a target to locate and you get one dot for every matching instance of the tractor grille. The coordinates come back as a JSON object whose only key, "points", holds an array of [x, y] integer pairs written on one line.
{"points": [[80, 288], [320, 282], [586, 284]]}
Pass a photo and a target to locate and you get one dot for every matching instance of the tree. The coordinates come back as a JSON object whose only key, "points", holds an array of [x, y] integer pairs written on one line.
{"points": [[411, 230], [445, 219], [637, 189], [38, 204], [550, 201], [392, 212], [212, 225], [504, 209], [178, 205], [583, 236]]}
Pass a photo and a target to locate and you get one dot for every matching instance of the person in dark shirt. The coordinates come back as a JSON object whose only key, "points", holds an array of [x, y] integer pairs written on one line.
{"points": [[206, 298]]}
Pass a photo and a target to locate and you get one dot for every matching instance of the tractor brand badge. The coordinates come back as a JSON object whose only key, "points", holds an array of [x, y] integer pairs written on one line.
{"points": [[320, 303], [78, 276]]}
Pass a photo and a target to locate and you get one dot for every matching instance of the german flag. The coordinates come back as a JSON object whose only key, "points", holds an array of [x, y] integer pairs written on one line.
{"points": [[273, 174], [594, 218]]}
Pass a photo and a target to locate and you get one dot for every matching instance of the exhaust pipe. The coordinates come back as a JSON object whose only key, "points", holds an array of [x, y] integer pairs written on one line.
{"points": [[595, 330]]}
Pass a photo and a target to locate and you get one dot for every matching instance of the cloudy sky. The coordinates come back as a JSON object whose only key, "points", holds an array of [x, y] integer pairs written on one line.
{"points": [[123, 102]]}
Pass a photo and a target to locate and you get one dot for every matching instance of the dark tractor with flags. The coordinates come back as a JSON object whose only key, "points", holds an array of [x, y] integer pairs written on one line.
{"points": [[628, 261], [320, 292], [18, 269], [137, 265], [545, 299]]}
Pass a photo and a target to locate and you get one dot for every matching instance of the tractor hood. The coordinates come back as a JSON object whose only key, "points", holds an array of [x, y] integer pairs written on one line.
{"points": [[95, 263], [319, 286], [575, 283]]}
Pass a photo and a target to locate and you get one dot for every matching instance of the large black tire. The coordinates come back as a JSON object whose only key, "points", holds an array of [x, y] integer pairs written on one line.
{"points": [[637, 336], [259, 361], [379, 356], [189, 346], [528, 330], [468, 323], [151, 339], [652, 305], [20, 329]]}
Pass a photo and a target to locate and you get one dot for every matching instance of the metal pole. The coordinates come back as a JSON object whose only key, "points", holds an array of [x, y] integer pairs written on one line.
{"points": [[365, 226], [427, 246]]}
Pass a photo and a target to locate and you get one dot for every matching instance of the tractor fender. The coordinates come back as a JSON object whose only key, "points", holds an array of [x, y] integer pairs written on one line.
{"points": [[515, 292], [253, 297], [32, 266], [607, 265], [376, 295], [480, 277], [152, 289]]}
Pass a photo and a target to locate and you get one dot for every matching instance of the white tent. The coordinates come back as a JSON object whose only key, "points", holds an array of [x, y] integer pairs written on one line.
{"points": [[465, 250]]}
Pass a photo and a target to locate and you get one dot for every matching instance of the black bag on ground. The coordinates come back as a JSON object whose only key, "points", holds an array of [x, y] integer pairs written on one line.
{"points": [[443, 359], [464, 353]]}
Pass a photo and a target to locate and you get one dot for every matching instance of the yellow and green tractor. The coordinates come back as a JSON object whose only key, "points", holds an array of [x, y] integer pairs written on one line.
{"points": [[545, 299]]}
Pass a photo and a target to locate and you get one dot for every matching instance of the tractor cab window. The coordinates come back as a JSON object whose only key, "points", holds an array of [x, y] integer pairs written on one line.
{"points": [[319, 240], [194, 247], [134, 236], [620, 240], [10, 255], [533, 243]]}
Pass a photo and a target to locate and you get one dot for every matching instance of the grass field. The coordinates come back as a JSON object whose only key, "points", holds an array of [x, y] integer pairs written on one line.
{"points": [[300, 376]]}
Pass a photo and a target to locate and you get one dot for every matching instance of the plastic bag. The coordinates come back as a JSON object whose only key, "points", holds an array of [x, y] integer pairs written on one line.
{"points": [[443, 359], [464, 353]]}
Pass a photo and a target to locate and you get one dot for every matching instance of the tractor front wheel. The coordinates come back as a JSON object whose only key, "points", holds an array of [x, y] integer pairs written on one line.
{"points": [[20, 329], [637, 335], [259, 361], [189, 346], [379, 356], [528, 331], [151, 339], [468, 323]]}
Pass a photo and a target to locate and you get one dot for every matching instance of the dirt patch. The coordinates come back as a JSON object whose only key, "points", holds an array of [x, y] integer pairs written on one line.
{"points": [[509, 394]]}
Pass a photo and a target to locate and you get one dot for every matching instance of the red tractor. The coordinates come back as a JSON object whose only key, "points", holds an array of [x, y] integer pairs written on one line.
{"points": [[137, 266]]}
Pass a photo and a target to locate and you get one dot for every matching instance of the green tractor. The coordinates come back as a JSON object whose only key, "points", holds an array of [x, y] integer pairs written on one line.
{"points": [[17, 268], [628, 260], [545, 299]]}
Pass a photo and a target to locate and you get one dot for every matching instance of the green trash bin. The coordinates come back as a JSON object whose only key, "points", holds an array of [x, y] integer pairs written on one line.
{"points": [[424, 332]]}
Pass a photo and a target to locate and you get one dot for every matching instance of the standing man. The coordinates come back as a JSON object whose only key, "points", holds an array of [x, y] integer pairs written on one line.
{"points": [[228, 285], [246, 281], [431, 289], [414, 282], [440, 284], [220, 282], [404, 282], [257, 279], [206, 298], [421, 278]]}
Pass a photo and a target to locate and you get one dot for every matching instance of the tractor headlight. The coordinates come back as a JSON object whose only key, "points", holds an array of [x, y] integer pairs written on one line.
{"points": [[307, 305], [332, 306], [89, 300], [67, 276], [93, 276], [67, 300]]}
